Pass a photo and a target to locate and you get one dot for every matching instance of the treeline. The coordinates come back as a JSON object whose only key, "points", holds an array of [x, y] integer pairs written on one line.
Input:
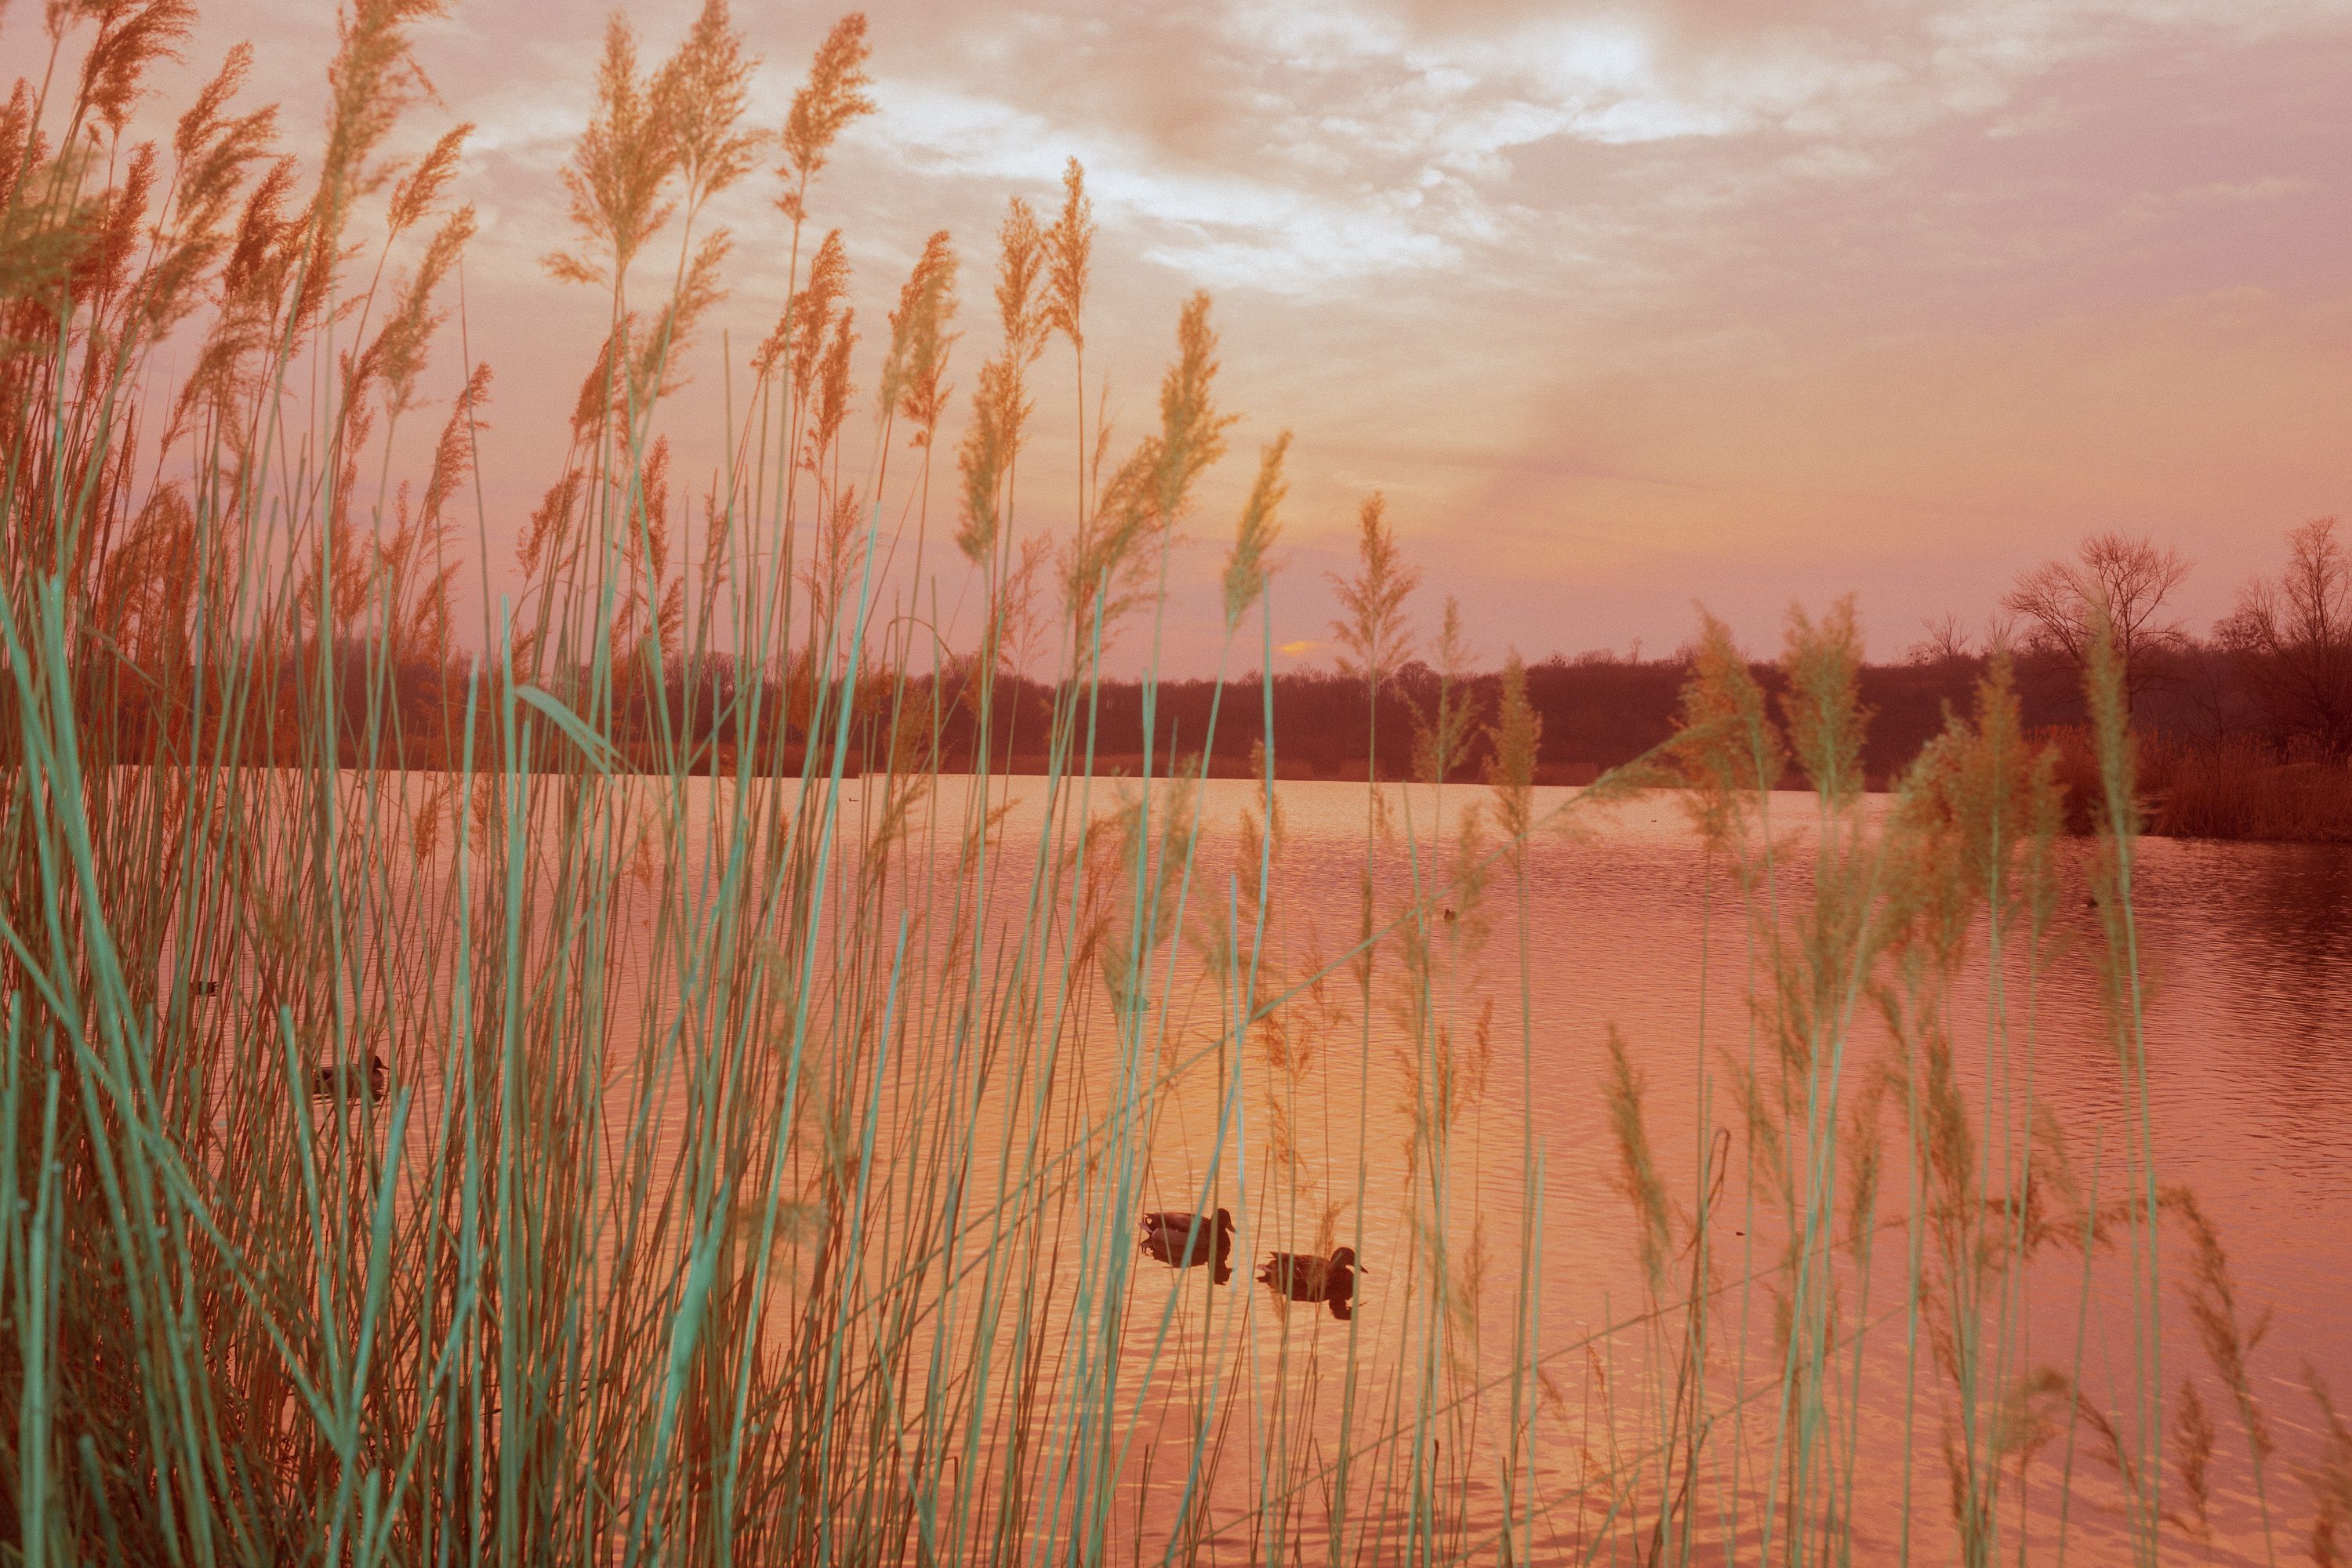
{"points": [[1597, 711], [2258, 712]]}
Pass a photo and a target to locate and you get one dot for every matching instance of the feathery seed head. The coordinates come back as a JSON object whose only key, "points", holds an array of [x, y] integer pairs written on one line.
{"points": [[398, 352], [200, 120], [700, 92], [1374, 638], [1822, 706], [999, 410], [131, 37], [834, 95], [1727, 747], [1517, 736], [1023, 249], [799, 337], [912, 374], [1637, 1171], [1105, 567], [1191, 431], [658, 368], [417, 190], [453, 457], [619, 169], [373, 79], [832, 394], [1070, 248], [1246, 566]]}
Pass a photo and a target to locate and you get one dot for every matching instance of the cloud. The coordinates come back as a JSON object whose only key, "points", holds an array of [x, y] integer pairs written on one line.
{"points": [[1227, 227], [1627, 292], [1311, 146]]}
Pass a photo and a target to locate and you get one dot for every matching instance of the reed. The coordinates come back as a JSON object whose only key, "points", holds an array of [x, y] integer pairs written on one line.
{"points": [[2225, 789], [765, 1111]]}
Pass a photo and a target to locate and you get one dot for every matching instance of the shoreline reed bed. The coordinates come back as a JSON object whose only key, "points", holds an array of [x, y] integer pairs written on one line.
{"points": [[2226, 789], [595, 1142]]}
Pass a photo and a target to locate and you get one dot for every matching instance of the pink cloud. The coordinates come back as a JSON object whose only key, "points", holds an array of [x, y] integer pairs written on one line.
{"points": [[1627, 292]]}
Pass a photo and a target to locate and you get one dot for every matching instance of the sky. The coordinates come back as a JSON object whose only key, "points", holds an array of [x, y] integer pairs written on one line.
{"points": [[1625, 307]]}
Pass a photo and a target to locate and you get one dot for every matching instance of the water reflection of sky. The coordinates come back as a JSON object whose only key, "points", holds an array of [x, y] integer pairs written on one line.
{"points": [[2248, 1021], [2248, 1025]]}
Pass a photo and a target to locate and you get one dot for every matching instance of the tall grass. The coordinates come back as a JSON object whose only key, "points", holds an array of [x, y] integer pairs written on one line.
{"points": [[768, 1109], [2230, 788]]}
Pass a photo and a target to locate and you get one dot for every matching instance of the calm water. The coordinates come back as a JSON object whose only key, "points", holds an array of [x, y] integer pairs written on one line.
{"points": [[2248, 1026], [2248, 955]]}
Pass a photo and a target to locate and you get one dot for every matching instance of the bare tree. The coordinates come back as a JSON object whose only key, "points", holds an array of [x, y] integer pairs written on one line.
{"points": [[2293, 638], [2131, 579], [1948, 642]]}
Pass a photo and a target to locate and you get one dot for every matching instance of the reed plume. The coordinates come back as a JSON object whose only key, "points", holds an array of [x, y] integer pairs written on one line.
{"points": [[824, 107], [1069, 250], [373, 79], [702, 94], [456, 453], [798, 341], [1726, 747], [830, 406], [1192, 430], [132, 36], [1107, 561], [418, 191], [1001, 404], [620, 170], [1021, 310], [1637, 1172], [986, 455], [2330, 1477], [1824, 711], [1374, 638], [1514, 740], [914, 376], [2229, 1340], [1246, 564], [397, 355], [1443, 731], [2193, 1456]]}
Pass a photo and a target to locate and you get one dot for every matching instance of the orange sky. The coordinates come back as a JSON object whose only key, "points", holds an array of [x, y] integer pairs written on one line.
{"points": [[1621, 305]]}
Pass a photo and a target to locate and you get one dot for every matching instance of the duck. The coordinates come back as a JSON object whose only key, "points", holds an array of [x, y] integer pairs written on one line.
{"points": [[1303, 1276], [351, 1080], [1188, 1240]]}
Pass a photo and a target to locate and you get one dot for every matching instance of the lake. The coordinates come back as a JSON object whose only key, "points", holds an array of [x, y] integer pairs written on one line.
{"points": [[1000, 1151]]}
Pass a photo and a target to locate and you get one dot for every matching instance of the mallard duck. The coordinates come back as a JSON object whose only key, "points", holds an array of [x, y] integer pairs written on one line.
{"points": [[351, 1080], [1303, 1276], [1186, 1240]]}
